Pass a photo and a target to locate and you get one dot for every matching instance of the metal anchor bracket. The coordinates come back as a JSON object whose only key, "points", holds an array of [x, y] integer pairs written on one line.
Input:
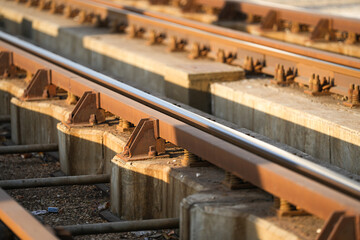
{"points": [[40, 86], [270, 21], [341, 226], [7, 67], [87, 111], [5, 61], [144, 142], [323, 30]]}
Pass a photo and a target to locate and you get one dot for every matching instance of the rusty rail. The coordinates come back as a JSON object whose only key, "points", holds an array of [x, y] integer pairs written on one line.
{"points": [[256, 162], [286, 62], [20, 221], [282, 12]]}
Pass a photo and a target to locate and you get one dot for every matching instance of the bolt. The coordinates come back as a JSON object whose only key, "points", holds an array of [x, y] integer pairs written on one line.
{"points": [[350, 92], [28, 77], [220, 56], [188, 158], [151, 38], [55, 8], [43, 4], [69, 12], [351, 38], [295, 27], [31, 3], [195, 51], [172, 44], [83, 17], [152, 151], [285, 206], [249, 64], [276, 72], [96, 21], [316, 84], [92, 119], [276, 202], [281, 74], [71, 99], [355, 95], [131, 31]]}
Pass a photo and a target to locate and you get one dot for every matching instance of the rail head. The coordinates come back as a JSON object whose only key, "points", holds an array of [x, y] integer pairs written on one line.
{"points": [[211, 141], [20, 221], [341, 70]]}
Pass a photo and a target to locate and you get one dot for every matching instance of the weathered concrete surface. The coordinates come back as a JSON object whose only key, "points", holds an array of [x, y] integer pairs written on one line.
{"points": [[32, 121], [151, 69], [88, 150], [170, 10], [237, 215], [161, 188], [327, 131], [9, 88], [152, 188]]}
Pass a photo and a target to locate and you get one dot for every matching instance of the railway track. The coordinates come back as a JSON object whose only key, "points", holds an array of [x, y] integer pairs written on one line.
{"points": [[319, 191], [278, 16], [318, 72]]}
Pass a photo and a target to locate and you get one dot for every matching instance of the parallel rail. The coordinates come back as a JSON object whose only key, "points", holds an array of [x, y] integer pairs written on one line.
{"points": [[315, 189], [20, 221], [284, 12], [230, 46]]}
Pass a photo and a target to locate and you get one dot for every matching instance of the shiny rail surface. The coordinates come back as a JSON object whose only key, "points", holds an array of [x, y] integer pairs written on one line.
{"points": [[266, 166], [284, 12], [20, 221]]}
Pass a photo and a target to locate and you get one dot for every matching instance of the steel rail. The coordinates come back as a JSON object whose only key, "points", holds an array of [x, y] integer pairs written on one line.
{"points": [[286, 12], [344, 70], [219, 130], [202, 136], [20, 221], [292, 48]]}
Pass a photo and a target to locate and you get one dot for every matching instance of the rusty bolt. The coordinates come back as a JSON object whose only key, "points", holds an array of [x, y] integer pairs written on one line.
{"points": [[276, 72], [295, 27], [96, 21], [151, 38], [82, 16], [195, 51], [355, 95], [350, 92], [69, 12], [258, 66], [316, 84], [249, 64], [285, 206], [172, 44], [31, 3], [189, 158], [351, 38], [56, 8], [131, 31], [92, 119], [281, 74], [152, 151], [44, 4], [220, 56], [71, 99], [311, 82], [276, 202]]}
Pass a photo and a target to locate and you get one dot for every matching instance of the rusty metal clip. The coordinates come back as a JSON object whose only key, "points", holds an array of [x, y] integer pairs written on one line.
{"points": [[87, 111], [144, 142], [40, 86], [341, 226]]}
